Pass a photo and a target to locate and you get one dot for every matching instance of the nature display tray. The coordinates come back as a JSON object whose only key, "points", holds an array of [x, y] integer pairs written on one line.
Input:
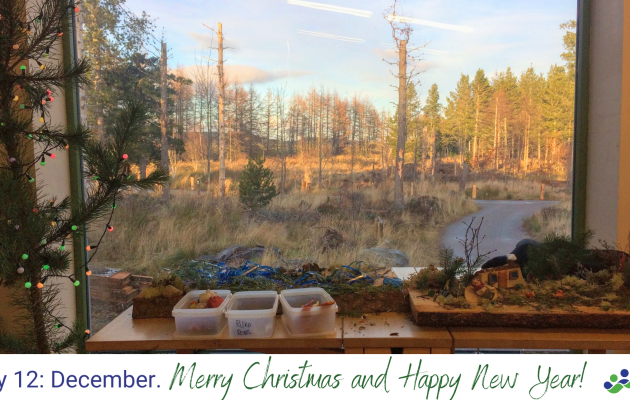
{"points": [[427, 312]]}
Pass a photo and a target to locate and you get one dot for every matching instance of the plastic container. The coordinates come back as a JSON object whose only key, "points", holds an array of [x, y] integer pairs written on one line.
{"points": [[314, 321], [200, 322], [252, 314]]}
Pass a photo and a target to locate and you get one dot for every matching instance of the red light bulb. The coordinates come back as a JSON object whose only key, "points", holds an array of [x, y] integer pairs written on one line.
{"points": [[52, 156], [125, 156]]}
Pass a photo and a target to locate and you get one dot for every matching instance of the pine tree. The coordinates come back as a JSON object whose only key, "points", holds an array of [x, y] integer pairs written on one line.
{"points": [[433, 117], [256, 188], [36, 227]]}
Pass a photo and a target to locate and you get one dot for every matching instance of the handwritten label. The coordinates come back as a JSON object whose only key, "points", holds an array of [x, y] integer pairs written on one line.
{"points": [[243, 328]]}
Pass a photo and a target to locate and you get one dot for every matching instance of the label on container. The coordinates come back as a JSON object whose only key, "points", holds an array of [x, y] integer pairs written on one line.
{"points": [[243, 328]]}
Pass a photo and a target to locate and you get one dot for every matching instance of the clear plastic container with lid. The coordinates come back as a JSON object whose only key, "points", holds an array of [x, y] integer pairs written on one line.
{"points": [[252, 314], [199, 321], [312, 321]]}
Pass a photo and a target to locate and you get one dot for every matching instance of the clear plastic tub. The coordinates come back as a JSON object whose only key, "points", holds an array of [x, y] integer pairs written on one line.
{"points": [[314, 321], [200, 322], [252, 314]]}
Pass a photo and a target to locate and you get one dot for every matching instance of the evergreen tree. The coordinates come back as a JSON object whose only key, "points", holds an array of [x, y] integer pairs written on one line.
{"points": [[433, 117], [459, 116], [256, 188], [35, 226], [481, 94], [569, 41]]}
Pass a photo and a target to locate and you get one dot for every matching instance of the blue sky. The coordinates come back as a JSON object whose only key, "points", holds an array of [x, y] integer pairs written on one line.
{"points": [[269, 50]]}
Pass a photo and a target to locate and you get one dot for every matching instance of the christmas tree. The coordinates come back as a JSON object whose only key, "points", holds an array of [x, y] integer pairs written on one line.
{"points": [[256, 187], [35, 228]]}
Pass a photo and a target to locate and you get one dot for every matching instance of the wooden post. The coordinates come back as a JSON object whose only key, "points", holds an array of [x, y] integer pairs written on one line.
{"points": [[542, 192], [192, 183], [379, 229], [474, 191], [222, 189]]}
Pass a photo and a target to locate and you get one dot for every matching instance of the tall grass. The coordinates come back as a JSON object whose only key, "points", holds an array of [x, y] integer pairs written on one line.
{"points": [[150, 234], [549, 220]]}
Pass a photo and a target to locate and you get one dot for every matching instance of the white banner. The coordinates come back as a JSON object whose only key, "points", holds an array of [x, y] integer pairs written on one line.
{"points": [[304, 377]]}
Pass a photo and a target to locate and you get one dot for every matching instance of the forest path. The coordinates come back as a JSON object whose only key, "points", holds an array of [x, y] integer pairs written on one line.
{"points": [[502, 225]]}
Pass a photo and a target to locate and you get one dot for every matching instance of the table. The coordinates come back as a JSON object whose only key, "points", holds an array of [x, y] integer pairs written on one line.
{"points": [[593, 340], [380, 334], [375, 334], [127, 334]]}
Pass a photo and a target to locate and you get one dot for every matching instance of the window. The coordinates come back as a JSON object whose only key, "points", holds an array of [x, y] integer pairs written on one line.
{"points": [[489, 132]]}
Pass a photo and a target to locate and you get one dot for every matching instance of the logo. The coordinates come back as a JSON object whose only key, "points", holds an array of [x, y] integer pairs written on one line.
{"points": [[615, 385]]}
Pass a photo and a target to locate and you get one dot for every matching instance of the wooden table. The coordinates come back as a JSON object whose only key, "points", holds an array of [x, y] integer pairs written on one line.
{"points": [[380, 334], [593, 340], [375, 334], [127, 334]]}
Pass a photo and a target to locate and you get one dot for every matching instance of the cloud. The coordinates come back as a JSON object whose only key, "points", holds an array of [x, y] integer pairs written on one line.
{"points": [[245, 73]]}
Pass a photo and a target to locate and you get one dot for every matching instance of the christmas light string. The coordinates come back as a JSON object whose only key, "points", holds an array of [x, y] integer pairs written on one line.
{"points": [[108, 228]]}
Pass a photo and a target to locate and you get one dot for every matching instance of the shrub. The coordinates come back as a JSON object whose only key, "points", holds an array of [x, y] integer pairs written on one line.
{"points": [[256, 187]]}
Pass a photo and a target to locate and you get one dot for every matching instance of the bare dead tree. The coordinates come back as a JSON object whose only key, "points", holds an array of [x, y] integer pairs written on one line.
{"points": [[220, 48], [401, 33], [473, 258]]}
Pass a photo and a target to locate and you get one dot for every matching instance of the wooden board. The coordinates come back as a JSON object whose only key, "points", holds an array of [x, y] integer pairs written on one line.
{"points": [[426, 312], [127, 334], [392, 330], [513, 338]]}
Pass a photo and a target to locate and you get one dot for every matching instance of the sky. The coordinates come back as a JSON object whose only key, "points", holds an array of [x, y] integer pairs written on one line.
{"points": [[297, 44]]}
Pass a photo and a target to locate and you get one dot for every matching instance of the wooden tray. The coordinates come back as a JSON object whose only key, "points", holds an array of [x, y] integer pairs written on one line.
{"points": [[426, 312]]}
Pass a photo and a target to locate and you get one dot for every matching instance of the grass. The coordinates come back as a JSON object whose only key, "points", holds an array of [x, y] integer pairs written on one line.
{"points": [[549, 220], [151, 234]]}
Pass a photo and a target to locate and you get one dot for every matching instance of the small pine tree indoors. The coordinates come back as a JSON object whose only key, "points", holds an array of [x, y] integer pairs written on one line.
{"points": [[256, 187], [34, 227]]}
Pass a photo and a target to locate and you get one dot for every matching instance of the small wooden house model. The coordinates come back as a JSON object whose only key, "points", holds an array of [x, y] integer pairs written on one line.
{"points": [[505, 277]]}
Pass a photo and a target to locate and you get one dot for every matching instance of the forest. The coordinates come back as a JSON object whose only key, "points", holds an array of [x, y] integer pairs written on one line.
{"points": [[497, 123]]}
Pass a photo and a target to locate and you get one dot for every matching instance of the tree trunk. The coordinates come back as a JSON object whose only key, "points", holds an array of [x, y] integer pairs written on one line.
{"points": [[221, 115], [142, 165], [423, 152], [163, 112], [399, 196], [39, 321]]}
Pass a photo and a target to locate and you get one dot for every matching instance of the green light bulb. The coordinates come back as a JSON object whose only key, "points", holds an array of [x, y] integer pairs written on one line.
{"points": [[24, 256], [62, 248], [43, 241], [46, 266], [74, 227], [27, 285], [77, 283]]}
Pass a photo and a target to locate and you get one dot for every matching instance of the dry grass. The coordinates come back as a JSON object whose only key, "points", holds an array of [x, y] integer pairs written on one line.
{"points": [[150, 234], [554, 219]]}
